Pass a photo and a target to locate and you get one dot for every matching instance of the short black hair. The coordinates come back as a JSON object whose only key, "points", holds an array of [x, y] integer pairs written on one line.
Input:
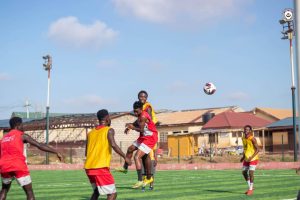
{"points": [[141, 92], [15, 121], [137, 105], [248, 127], [101, 114]]}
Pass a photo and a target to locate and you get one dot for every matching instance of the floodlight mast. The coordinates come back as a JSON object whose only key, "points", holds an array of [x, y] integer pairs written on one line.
{"points": [[47, 66]]}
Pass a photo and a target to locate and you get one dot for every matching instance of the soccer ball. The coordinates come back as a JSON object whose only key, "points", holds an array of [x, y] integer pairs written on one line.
{"points": [[209, 88]]}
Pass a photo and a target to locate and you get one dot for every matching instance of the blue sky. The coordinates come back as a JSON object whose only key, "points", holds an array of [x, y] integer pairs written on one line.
{"points": [[105, 51]]}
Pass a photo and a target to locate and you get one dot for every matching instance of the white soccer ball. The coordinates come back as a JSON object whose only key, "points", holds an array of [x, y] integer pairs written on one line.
{"points": [[209, 88]]}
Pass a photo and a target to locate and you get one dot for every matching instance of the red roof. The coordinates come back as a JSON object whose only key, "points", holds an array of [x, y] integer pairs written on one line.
{"points": [[230, 119]]}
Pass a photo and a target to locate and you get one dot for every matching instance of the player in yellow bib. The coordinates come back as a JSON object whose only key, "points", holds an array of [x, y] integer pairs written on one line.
{"points": [[100, 142], [143, 96], [250, 157]]}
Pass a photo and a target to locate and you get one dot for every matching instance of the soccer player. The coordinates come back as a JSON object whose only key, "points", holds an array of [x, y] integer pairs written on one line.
{"points": [[143, 145], [100, 142], [250, 157], [143, 96], [12, 161]]}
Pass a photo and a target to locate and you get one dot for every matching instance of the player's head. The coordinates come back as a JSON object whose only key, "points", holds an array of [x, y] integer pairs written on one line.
{"points": [[247, 129], [142, 96], [137, 108], [15, 123], [103, 117]]}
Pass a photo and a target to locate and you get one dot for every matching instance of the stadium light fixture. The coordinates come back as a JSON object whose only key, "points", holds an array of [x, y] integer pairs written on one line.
{"points": [[287, 23]]}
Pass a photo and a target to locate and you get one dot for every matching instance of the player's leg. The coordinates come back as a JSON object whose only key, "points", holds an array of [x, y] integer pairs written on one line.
{"points": [[252, 167], [153, 170], [29, 191], [112, 196], [24, 180], [6, 183], [138, 164], [148, 166], [4, 190], [95, 194]]}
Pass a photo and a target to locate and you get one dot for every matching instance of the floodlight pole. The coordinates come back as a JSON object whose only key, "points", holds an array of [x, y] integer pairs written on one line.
{"points": [[297, 24], [288, 33], [47, 67]]}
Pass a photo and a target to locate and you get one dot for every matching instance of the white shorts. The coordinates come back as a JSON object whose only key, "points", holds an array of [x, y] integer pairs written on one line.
{"points": [[143, 147], [22, 181]]}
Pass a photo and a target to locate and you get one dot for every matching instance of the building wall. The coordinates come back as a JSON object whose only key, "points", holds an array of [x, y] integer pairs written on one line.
{"points": [[185, 144], [283, 139], [75, 135]]}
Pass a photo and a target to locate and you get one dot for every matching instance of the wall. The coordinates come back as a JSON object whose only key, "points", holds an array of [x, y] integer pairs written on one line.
{"points": [[186, 145]]}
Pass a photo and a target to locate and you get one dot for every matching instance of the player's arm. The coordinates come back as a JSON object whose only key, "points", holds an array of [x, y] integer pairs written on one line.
{"points": [[43, 147], [254, 142], [149, 111], [141, 126], [116, 148]]}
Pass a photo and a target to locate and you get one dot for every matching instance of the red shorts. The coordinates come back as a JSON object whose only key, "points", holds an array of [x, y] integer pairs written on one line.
{"points": [[250, 165], [23, 177], [102, 179], [145, 143]]}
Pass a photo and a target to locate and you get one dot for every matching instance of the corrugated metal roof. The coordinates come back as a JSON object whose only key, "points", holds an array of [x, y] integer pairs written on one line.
{"points": [[190, 116], [275, 112], [287, 122], [4, 123], [235, 120]]}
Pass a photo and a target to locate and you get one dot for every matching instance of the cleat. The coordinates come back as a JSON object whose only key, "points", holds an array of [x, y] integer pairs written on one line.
{"points": [[151, 188], [137, 185], [249, 192], [147, 181], [121, 169], [143, 189]]}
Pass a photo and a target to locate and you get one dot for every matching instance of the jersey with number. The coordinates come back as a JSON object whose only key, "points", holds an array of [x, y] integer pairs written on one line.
{"points": [[249, 148], [12, 152]]}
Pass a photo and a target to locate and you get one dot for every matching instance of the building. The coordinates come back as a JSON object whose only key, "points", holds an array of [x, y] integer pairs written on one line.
{"points": [[225, 129], [176, 128], [283, 135], [272, 114]]}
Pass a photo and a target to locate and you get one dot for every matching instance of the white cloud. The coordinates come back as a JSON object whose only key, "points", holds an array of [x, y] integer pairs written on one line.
{"points": [[180, 11], [88, 101], [239, 96], [68, 31], [4, 77]]}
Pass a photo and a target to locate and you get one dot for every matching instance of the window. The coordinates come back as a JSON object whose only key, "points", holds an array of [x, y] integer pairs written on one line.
{"points": [[185, 131], [163, 137], [176, 132], [235, 134]]}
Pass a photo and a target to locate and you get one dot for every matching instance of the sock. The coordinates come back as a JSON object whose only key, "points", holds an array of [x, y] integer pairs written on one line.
{"points": [[251, 186], [125, 166], [139, 173], [248, 182]]}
